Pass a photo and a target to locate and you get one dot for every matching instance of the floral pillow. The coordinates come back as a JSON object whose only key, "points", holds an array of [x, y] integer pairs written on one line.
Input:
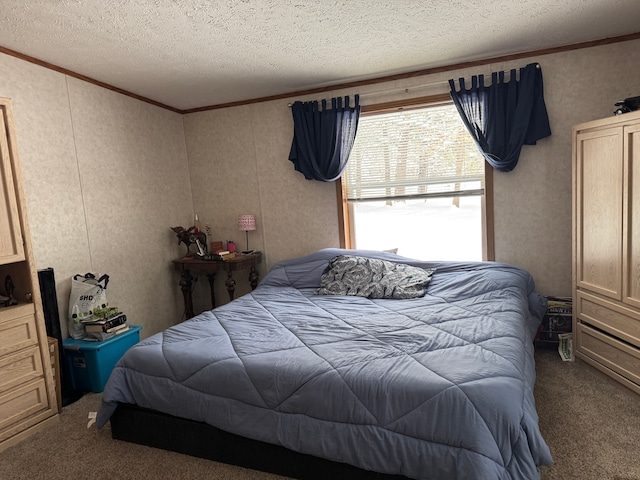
{"points": [[373, 278]]}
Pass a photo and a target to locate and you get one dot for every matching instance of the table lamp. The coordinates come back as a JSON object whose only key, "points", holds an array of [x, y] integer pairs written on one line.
{"points": [[247, 223]]}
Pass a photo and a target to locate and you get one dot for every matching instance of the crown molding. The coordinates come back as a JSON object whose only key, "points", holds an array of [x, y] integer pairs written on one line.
{"points": [[337, 86]]}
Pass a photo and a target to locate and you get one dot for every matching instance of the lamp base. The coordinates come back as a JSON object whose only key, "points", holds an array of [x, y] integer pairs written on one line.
{"points": [[247, 252]]}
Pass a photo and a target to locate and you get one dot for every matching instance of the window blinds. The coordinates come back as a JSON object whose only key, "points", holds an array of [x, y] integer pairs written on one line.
{"points": [[424, 152]]}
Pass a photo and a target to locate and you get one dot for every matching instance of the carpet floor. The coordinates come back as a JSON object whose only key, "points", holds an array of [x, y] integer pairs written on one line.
{"points": [[591, 424]]}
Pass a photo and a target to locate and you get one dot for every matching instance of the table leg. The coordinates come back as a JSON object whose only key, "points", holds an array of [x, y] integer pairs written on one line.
{"points": [[211, 277], [186, 281], [253, 278], [231, 285]]}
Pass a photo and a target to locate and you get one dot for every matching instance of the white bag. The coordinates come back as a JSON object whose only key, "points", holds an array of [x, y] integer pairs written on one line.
{"points": [[565, 347], [87, 294]]}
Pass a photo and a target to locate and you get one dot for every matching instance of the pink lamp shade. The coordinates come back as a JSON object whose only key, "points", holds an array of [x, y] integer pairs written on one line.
{"points": [[246, 222]]}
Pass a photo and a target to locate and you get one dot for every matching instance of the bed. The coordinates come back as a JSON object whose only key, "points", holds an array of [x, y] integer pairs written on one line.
{"points": [[437, 385]]}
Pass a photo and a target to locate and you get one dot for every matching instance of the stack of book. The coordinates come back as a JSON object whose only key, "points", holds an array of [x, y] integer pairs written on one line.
{"points": [[104, 325], [224, 255]]}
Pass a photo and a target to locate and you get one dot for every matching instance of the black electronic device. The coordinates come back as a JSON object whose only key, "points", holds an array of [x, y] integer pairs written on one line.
{"points": [[627, 105]]}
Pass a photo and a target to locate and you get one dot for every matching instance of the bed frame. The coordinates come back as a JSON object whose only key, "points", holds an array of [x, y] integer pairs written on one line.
{"points": [[147, 427]]}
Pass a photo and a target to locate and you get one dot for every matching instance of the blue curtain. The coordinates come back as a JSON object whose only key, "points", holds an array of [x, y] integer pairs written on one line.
{"points": [[505, 115], [322, 139]]}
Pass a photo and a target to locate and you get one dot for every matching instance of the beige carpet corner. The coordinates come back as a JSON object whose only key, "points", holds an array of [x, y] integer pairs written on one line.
{"points": [[590, 422]]}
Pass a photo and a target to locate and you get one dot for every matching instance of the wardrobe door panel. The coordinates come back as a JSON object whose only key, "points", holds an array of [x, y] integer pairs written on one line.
{"points": [[11, 248], [599, 206], [631, 265]]}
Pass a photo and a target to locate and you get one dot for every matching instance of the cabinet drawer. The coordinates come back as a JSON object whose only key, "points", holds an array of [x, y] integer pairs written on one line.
{"points": [[609, 317], [18, 331], [19, 368], [21, 405], [613, 354]]}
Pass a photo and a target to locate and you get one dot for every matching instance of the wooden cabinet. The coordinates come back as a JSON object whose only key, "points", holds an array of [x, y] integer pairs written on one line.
{"points": [[11, 248], [606, 246], [27, 393]]}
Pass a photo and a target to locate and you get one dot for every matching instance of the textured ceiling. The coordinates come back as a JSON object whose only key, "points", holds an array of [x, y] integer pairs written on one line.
{"points": [[189, 54]]}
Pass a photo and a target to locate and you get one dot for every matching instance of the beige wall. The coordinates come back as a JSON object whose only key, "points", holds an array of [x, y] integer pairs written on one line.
{"points": [[238, 163], [250, 145], [107, 175]]}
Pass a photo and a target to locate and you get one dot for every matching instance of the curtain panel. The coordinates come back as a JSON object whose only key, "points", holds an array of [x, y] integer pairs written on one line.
{"points": [[323, 138], [504, 116]]}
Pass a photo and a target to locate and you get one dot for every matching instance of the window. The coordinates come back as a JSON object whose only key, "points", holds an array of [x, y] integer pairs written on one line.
{"points": [[416, 181]]}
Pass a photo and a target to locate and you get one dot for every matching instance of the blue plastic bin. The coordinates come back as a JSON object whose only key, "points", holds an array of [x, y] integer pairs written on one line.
{"points": [[89, 364]]}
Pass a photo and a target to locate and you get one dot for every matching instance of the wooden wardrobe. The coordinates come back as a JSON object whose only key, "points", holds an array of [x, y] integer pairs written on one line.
{"points": [[27, 393], [606, 246]]}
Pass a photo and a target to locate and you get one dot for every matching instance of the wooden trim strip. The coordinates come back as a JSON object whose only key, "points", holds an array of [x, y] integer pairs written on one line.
{"points": [[407, 104], [427, 71], [489, 244], [338, 86], [343, 216]]}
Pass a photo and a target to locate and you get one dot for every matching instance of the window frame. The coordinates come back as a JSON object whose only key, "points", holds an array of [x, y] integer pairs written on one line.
{"points": [[344, 216]]}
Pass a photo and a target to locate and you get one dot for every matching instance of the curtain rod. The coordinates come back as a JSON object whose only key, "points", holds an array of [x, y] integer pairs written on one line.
{"points": [[408, 89], [383, 92]]}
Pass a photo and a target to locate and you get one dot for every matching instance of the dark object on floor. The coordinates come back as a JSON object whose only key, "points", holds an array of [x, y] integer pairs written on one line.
{"points": [[139, 425], [627, 105], [47, 281]]}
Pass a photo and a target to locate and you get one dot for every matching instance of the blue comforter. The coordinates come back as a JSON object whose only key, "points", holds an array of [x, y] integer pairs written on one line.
{"points": [[438, 387]]}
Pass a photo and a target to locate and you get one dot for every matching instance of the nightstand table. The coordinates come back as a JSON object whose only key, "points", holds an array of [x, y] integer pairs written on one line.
{"points": [[188, 265]]}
